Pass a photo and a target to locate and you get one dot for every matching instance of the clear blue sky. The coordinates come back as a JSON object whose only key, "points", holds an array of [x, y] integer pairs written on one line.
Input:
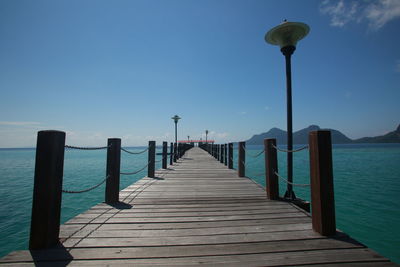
{"points": [[99, 69]]}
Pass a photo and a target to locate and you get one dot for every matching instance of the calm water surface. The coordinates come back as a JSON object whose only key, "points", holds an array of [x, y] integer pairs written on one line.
{"points": [[367, 189]]}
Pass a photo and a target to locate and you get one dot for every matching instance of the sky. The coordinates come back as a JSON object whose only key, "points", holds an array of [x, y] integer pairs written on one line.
{"points": [[121, 69]]}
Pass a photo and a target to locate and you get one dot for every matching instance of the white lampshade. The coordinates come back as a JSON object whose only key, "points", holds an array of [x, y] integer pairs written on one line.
{"points": [[287, 34], [176, 118]]}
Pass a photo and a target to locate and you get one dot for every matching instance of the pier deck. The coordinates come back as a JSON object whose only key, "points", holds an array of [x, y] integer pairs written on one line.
{"points": [[196, 212]]}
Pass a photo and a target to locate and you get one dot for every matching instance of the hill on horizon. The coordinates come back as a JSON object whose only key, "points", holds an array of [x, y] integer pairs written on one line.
{"points": [[301, 137]]}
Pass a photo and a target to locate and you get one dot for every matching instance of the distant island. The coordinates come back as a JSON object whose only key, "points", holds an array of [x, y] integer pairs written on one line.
{"points": [[301, 137]]}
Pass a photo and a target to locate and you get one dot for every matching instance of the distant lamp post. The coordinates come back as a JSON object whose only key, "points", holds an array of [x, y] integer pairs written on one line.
{"points": [[188, 138], [286, 35], [176, 118], [206, 136]]}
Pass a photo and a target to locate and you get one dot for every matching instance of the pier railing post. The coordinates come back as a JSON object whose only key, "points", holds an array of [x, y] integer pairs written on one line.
{"points": [[225, 154], [271, 166], [214, 150], [113, 170], [164, 154], [152, 159], [221, 159], [242, 159], [171, 153], [321, 174], [230, 162], [175, 152], [47, 190]]}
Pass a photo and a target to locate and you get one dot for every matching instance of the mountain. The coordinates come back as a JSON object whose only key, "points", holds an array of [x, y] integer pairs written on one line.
{"points": [[299, 137], [391, 137]]}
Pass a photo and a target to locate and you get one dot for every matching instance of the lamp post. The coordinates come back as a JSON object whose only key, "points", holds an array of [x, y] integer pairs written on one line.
{"points": [[206, 136], [176, 118], [286, 35], [188, 138]]}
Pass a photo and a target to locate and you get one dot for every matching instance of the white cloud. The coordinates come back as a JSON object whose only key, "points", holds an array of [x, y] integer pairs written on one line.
{"points": [[267, 108], [243, 113], [381, 12], [340, 12], [19, 123], [218, 137], [377, 13]]}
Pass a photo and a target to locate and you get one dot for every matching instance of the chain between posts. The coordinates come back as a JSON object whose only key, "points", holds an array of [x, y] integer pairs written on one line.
{"points": [[86, 148], [257, 155], [85, 190], [301, 185], [134, 153], [135, 172], [289, 151]]}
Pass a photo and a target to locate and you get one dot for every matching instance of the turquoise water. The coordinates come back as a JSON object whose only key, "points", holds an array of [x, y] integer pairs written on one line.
{"points": [[367, 188]]}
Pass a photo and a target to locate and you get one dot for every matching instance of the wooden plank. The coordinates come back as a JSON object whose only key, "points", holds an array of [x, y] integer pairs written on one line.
{"points": [[354, 255], [180, 251], [191, 240]]}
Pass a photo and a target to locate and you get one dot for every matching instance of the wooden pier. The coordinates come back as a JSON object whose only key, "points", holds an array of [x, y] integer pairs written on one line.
{"points": [[197, 211]]}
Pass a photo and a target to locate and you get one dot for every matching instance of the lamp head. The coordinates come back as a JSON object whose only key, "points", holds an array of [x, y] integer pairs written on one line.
{"points": [[287, 34], [176, 118]]}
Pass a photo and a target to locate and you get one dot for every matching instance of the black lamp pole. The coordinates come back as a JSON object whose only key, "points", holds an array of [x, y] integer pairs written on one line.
{"points": [[287, 52], [176, 118], [286, 35]]}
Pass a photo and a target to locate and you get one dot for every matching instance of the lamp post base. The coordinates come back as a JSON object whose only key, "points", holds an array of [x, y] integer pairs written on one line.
{"points": [[290, 195]]}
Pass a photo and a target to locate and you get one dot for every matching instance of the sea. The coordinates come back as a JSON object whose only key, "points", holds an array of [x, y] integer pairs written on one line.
{"points": [[366, 184]]}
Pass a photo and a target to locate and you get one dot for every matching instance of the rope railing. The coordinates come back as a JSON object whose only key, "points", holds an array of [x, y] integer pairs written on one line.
{"points": [[289, 151], [256, 155], [135, 172], [85, 190], [86, 148], [157, 161], [134, 153], [285, 180]]}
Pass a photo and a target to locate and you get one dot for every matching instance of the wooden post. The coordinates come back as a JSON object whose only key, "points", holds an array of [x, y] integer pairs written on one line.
{"points": [[225, 154], [230, 162], [171, 153], [113, 170], [175, 152], [271, 166], [46, 202], [164, 154], [152, 159], [221, 159], [242, 159], [322, 195]]}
